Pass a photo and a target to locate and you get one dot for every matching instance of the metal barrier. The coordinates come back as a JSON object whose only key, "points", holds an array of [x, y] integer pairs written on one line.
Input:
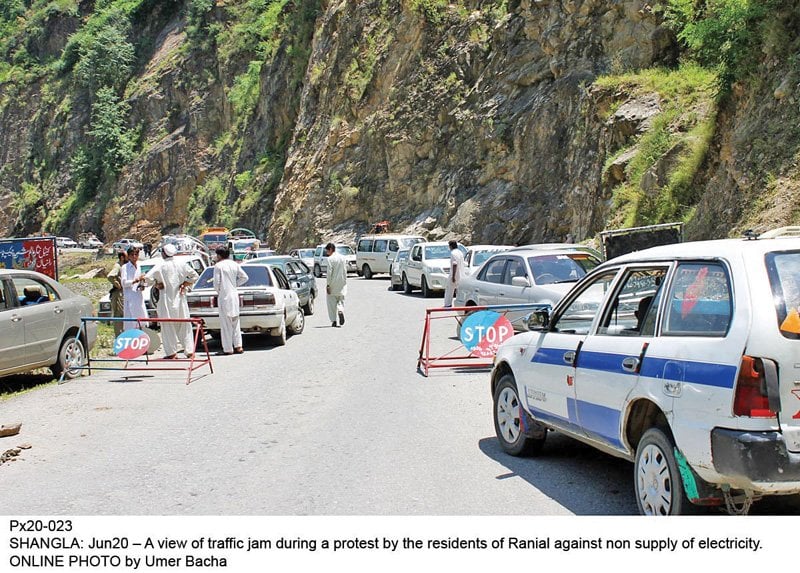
{"points": [[194, 363], [450, 359]]}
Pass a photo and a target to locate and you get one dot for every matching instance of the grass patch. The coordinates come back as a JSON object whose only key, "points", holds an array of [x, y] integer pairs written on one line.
{"points": [[683, 128]]}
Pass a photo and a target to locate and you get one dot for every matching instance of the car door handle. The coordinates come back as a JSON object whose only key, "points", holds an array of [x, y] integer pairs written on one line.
{"points": [[630, 364], [58, 310], [16, 318], [569, 357]]}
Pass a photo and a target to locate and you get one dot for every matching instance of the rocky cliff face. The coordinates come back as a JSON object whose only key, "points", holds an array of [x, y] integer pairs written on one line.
{"points": [[479, 120]]}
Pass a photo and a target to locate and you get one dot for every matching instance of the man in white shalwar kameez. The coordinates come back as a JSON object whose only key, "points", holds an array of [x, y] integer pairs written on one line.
{"points": [[456, 273], [172, 278], [228, 275], [336, 284], [133, 282]]}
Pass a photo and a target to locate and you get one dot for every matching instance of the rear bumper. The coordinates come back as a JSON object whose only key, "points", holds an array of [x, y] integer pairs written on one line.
{"points": [[262, 322], [756, 458]]}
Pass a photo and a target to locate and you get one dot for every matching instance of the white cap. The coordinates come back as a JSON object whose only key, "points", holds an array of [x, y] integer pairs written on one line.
{"points": [[169, 250]]}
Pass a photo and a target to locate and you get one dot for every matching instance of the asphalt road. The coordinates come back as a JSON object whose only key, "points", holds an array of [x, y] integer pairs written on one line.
{"points": [[337, 422]]}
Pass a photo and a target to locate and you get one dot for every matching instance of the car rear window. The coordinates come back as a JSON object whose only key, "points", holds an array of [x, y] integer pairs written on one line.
{"points": [[256, 276], [783, 270], [699, 301]]}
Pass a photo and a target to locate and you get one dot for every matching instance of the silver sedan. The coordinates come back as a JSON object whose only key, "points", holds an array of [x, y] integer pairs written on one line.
{"points": [[40, 325]]}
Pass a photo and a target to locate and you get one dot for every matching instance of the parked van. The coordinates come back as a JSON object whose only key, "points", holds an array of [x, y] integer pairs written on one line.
{"points": [[375, 253]]}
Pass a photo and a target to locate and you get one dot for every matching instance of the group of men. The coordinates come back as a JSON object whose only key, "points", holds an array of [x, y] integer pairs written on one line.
{"points": [[173, 278]]}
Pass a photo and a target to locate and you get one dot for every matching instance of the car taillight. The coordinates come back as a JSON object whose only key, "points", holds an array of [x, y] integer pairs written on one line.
{"points": [[201, 302], [751, 397], [257, 299]]}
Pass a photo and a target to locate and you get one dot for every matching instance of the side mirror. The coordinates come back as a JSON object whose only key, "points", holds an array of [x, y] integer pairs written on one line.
{"points": [[538, 320], [520, 281]]}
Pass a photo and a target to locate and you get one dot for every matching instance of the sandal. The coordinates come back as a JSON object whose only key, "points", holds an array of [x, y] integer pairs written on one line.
{"points": [[171, 357]]}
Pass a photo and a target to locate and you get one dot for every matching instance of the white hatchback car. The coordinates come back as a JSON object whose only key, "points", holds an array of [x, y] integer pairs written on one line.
{"points": [[688, 368]]}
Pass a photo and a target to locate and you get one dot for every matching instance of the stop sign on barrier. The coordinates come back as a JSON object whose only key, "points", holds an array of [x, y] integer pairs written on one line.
{"points": [[482, 332], [131, 344]]}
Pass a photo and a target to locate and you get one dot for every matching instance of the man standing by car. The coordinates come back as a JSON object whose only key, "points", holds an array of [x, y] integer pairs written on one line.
{"points": [[456, 272], [228, 275], [336, 284], [133, 287], [172, 278], [115, 294]]}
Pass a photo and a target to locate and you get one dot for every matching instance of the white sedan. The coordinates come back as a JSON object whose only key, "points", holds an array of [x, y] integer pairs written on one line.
{"points": [[267, 304]]}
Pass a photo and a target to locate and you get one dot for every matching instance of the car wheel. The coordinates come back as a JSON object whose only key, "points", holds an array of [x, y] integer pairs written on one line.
{"points": [[280, 338], [657, 479], [406, 286], [71, 356], [396, 286], [366, 271], [317, 271], [308, 307], [507, 424], [426, 292], [298, 324]]}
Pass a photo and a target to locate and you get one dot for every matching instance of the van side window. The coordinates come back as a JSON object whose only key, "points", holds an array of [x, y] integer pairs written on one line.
{"points": [[365, 245], [394, 246], [699, 301], [380, 246]]}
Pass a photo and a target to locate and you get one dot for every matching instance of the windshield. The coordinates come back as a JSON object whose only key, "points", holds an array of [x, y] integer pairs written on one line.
{"points": [[305, 253], [215, 238], [344, 250], [784, 278], [408, 242], [480, 256], [402, 256], [279, 262], [243, 245], [552, 269], [437, 252], [257, 275]]}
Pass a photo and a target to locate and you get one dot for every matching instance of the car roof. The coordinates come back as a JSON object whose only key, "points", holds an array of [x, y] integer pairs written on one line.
{"points": [[534, 252], [719, 248], [488, 247]]}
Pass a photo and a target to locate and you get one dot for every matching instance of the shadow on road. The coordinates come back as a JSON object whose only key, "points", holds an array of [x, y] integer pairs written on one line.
{"points": [[580, 478]]}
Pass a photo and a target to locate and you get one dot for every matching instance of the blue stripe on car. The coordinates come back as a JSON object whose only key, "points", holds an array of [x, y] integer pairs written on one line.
{"points": [[705, 373]]}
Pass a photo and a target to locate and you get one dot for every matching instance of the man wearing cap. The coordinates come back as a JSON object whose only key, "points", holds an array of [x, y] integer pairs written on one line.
{"points": [[172, 278], [132, 289]]}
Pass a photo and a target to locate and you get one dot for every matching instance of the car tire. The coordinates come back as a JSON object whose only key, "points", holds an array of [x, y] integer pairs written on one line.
{"points": [[317, 271], [71, 354], [406, 285], [657, 478], [298, 324], [280, 338], [507, 424], [396, 287], [366, 271], [426, 291], [308, 307]]}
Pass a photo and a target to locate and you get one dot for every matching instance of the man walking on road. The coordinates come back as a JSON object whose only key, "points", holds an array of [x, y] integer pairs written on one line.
{"points": [[456, 272], [172, 278], [228, 275], [336, 284]]}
